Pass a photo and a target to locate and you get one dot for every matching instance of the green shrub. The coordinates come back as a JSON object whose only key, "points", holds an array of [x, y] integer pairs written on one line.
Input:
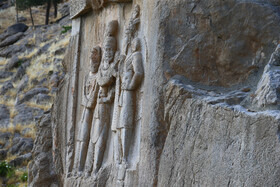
{"points": [[12, 185], [24, 177], [66, 28], [6, 170]]}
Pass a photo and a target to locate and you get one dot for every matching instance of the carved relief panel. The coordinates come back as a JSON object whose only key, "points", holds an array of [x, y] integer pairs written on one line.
{"points": [[109, 101]]}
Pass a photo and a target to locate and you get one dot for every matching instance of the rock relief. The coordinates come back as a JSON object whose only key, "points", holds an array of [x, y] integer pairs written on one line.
{"points": [[109, 101]]}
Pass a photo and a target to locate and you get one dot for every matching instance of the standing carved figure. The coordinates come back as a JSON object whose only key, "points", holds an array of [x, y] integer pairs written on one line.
{"points": [[89, 101], [131, 29], [131, 79], [106, 81], [126, 56]]}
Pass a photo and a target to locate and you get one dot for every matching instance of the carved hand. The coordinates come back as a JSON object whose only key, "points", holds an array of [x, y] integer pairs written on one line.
{"points": [[103, 100]]}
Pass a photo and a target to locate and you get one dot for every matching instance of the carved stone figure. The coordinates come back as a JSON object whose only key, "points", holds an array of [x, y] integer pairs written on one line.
{"points": [[101, 120], [119, 116], [131, 29], [131, 78], [89, 100]]}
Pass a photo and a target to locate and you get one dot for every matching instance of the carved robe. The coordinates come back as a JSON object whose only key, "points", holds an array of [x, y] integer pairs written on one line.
{"points": [[101, 119], [89, 100], [102, 112], [127, 100]]}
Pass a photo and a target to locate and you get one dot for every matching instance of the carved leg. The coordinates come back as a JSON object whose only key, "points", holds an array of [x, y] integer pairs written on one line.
{"points": [[117, 146], [100, 148], [83, 154], [90, 159], [86, 126], [76, 158], [126, 141]]}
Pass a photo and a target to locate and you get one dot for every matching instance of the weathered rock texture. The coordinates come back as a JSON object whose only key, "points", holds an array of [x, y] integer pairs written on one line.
{"points": [[215, 145], [30, 69], [42, 172], [206, 112]]}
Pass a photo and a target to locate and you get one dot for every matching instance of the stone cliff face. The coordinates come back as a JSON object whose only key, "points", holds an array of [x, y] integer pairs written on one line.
{"points": [[170, 93], [30, 70]]}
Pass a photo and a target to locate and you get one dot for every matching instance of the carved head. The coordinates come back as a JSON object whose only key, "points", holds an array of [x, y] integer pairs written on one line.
{"points": [[110, 47], [95, 59], [136, 45], [96, 4], [112, 28]]}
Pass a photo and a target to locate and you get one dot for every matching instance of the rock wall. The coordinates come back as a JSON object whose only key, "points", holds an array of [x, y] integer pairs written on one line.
{"points": [[170, 93]]}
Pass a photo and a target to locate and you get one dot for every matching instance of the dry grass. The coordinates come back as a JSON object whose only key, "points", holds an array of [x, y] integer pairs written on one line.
{"points": [[7, 18], [29, 55], [44, 107], [32, 41], [13, 112], [9, 103], [19, 128], [6, 79], [60, 43], [43, 44], [12, 92], [23, 184], [38, 71], [31, 133], [3, 61], [51, 36], [16, 179], [10, 144], [11, 157], [11, 129], [2, 142]]}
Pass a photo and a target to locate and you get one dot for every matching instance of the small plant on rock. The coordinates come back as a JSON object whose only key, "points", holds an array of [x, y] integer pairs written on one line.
{"points": [[6, 170], [24, 177], [66, 28]]}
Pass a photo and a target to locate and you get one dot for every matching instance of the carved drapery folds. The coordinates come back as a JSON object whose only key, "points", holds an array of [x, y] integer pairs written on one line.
{"points": [[109, 100], [89, 102]]}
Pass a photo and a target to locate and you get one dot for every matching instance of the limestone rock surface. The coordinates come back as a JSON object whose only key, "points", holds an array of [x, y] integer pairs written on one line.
{"points": [[41, 172], [226, 140], [4, 116], [267, 93]]}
